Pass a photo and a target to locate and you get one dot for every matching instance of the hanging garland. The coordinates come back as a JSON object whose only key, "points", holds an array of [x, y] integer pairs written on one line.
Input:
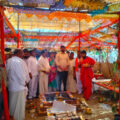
{"points": [[47, 2], [112, 1], [51, 15], [85, 4], [27, 11], [106, 16]]}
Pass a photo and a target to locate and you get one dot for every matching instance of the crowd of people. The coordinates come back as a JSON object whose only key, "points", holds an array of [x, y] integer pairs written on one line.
{"points": [[29, 76]]}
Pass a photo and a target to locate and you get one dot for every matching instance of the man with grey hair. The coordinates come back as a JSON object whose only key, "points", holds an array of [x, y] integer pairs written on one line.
{"points": [[17, 73]]}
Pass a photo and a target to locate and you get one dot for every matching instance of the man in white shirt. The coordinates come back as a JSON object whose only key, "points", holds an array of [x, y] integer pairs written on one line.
{"points": [[62, 62], [32, 64], [17, 73], [76, 72], [44, 69]]}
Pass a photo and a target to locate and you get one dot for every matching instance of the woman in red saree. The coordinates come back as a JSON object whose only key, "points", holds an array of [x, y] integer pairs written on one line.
{"points": [[87, 75]]}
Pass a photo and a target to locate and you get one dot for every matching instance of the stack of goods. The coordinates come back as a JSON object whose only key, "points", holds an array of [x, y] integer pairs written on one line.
{"points": [[41, 105], [112, 85], [98, 75], [67, 116], [82, 106], [63, 111], [31, 107], [106, 83], [36, 107], [58, 96]]}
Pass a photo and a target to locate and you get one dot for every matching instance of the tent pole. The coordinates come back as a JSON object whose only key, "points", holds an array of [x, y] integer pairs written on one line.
{"points": [[79, 37], [18, 32], [118, 58], [4, 91], [117, 116], [79, 42], [18, 40]]}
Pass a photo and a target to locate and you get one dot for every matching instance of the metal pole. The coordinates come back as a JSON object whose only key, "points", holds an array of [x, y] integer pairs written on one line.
{"points": [[79, 37], [18, 31], [118, 58], [4, 91]]}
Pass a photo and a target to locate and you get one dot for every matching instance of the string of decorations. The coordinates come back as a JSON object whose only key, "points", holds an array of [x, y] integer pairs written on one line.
{"points": [[112, 1], [85, 4], [27, 11], [48, 2], [92, 6], [50, 15]]}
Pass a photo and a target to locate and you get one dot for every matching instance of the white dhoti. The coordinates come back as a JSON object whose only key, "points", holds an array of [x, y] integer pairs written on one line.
{"points": [[71, 83], [33, 86], [79, 84], [43, 83], [17, 104], [26, 93]]}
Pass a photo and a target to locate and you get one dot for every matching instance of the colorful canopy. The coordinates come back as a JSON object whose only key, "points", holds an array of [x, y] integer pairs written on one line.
{"points": [[65, 5], [52, 29], [54, 21]]}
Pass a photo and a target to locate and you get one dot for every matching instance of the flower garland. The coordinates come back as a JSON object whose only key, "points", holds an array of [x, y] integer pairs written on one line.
{"points": [[27, 11], [51, 15], [86, 4], [47, 2]]}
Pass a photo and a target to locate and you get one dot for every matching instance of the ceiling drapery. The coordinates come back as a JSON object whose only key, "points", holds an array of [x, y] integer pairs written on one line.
{"points": [[97, 31]]}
